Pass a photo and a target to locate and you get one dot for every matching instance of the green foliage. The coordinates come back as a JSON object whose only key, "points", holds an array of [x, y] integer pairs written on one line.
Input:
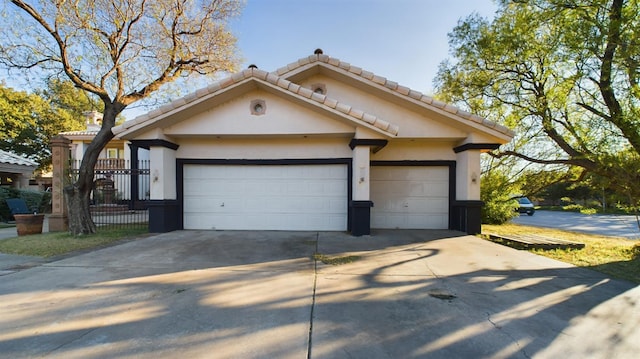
{"points": [[564, 75], [5, 194], [29, 122], [573, 208], [36, 200], [496, 191]]}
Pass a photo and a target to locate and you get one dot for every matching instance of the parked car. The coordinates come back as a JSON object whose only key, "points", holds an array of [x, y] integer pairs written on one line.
{"points": [[525, 206]]}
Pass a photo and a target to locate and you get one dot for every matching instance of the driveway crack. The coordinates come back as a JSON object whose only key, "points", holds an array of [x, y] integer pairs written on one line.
{"points": [[313, 297], [513, 339]]}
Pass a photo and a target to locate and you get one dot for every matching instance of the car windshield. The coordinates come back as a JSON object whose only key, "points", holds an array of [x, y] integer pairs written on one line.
{"points": [[524, 200]]}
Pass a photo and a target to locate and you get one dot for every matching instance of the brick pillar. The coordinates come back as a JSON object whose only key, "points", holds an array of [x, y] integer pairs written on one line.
{"points": [[58, 220]]}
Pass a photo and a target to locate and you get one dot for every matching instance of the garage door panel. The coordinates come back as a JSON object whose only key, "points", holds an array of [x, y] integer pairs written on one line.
{"points": [[411, 197], [294, 197]]}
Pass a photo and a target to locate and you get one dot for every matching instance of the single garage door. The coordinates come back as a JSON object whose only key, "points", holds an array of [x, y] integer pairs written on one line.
{"points": [[411, 197], [265, 197]]}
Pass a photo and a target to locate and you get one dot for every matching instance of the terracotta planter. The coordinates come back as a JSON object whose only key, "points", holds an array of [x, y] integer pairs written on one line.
{"points": [[27, 224]]}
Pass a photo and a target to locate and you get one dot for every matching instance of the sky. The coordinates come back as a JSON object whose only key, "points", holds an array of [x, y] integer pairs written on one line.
{"points": [[402, 40]]}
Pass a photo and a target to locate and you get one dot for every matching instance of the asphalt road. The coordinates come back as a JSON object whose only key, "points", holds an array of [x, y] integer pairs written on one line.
{"points": [[608, 225]]}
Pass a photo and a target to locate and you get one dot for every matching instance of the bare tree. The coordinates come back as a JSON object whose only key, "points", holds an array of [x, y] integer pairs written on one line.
{"points": [[121, 51]]}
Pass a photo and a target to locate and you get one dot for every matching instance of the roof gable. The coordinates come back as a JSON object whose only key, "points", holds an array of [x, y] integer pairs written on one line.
{"points": [[286, 80], [242, 82], [320, 63]]}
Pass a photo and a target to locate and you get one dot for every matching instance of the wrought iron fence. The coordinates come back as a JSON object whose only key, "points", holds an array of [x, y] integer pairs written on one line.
{"points": [[120, 193]]}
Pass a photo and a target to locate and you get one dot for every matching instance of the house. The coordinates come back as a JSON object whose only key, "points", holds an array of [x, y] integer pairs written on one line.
{"points": [[15, 170], [114, 155], [318, 144], [113, 167]]}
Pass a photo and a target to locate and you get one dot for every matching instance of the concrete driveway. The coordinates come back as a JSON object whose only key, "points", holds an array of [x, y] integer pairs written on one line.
{"points": [[407, 294]]}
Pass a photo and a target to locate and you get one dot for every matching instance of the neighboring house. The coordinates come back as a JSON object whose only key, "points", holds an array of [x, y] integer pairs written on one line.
{"points": [[15, 170], [114, 155], [113, 164], [316, 145]]}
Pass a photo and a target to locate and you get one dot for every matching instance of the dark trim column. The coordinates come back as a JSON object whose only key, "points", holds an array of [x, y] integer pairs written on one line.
{"points": [[467, 217], [164, 216], [360, 217], [134, 166]]}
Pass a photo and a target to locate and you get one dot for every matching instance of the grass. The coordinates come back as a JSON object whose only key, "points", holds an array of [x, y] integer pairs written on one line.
{"points": [[616, 257], [6, 225], [60, 243], [334, 260]]}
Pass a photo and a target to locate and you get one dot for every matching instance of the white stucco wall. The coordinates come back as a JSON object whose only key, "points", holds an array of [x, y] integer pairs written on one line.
{"points": [[468, 175], [411, 123], [281, 116], [163, 173], [418, 150], [264, 148]]}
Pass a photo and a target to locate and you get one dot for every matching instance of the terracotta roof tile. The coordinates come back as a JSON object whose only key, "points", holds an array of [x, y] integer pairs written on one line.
{"points": [[344, 108], [356, 113], [272, 79], [391, 85], [303, 91], [79, 133], [275, 79], [14, 159], [402, 90], [369, 118], [330, 102]]}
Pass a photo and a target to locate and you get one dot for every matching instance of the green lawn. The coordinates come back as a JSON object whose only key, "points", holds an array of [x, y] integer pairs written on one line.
{"points": [[59, 243], [616, 257]]}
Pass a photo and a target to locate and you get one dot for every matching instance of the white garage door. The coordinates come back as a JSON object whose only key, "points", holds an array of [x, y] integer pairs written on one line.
{"points": [[262, 197], [410, 197]]}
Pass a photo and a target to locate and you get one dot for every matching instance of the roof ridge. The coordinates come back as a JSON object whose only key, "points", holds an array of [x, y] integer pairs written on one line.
{"points": [[14, 158], [268, 77], [393, 86]]}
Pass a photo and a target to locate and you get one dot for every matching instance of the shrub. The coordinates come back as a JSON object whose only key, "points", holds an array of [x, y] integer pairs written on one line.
{"points": [[6, 193], [495, 192], [37, 200], [588, 211], [573, 208]]}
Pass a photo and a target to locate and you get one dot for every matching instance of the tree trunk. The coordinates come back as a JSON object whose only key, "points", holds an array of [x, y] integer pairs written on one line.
{"points": [[78, 194], [80, 221]]}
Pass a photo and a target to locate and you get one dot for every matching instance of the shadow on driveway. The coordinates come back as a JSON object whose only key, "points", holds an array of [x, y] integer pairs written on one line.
{"points": [[411, 294]]}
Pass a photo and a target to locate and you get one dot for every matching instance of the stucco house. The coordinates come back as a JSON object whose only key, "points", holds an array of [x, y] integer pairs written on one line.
{"points": [[318, 144], [114, 155], [15, 170]]}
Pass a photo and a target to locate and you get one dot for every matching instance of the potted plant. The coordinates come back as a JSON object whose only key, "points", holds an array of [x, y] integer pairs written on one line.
{"points": [[27, 222]]}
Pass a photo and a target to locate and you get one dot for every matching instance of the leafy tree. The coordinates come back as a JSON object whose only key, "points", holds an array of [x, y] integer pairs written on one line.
{"points": [[564, 74], [121, 51], [64, 95], [28, 122]]}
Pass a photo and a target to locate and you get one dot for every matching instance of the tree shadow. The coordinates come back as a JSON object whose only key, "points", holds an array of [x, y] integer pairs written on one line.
{"points": [[226, 294]]}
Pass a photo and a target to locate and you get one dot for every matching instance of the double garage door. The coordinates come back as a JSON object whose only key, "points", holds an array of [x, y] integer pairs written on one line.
{"points": [[309, 197]]}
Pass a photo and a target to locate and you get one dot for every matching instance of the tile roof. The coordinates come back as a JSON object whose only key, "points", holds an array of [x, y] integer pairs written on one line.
{"points": [[276, 78], [428, 101], [12, 158], [253, 73], [79, 133]]}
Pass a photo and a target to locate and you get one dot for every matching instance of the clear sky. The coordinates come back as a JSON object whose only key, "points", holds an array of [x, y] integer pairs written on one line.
{"points": [[402, 40]]}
